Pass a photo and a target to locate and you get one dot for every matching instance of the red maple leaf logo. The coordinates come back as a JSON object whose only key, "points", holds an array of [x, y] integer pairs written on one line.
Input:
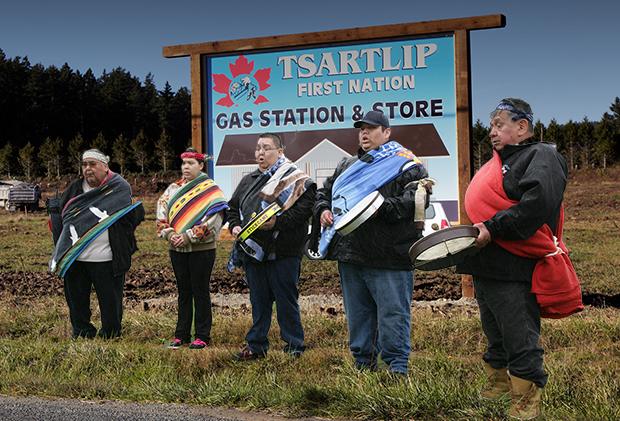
{"points": [[244, 85]]}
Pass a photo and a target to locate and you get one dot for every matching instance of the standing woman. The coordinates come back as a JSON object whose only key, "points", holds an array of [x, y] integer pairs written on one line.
{"points": [[190, 215]]}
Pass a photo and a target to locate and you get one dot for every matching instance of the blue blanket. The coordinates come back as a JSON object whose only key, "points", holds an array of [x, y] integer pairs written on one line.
{"points": [[378, 167]]}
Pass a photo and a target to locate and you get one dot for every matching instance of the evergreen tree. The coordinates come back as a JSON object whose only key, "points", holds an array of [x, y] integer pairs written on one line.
{"points": [[76, 149], [615, 110], [604, 140], [120, 152], [539, 132], [100, 143], [139, 148], [50, 153], [554, 132], [586, 139], [482, 148], [7, 159], [27, 160], [14, 100], [569, 143], [163, 149]]}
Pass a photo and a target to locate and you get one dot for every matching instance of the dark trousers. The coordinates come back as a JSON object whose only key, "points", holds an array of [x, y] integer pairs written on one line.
{"points": [[78, 283], [193, 274], [510, 317], [269, 281]]}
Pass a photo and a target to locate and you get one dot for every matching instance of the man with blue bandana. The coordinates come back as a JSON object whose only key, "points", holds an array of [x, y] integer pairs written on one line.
{"points": [[514, 200], [375, 269]]}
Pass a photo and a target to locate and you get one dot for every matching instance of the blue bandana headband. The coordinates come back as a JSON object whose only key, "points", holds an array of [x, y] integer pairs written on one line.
{"points": [[509, 106]]}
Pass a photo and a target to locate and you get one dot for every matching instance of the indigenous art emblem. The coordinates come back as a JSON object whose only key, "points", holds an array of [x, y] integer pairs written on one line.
{"points": [[244, 86]]}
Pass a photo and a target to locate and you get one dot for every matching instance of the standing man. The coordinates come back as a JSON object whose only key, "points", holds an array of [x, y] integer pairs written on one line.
{"points": [[515, 201], [375, 269], [95, 245], [271, 256]]}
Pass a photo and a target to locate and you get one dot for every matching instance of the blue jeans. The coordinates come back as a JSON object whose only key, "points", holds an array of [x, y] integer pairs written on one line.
{"points": [[378, 307], [269, 281], [510, 317]]}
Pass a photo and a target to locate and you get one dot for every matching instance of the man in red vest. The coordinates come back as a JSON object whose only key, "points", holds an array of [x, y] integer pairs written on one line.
{"points": [[516, 195]]}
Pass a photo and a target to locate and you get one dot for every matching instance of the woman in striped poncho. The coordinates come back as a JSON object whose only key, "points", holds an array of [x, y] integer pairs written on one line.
{"points": [[190, 215]]}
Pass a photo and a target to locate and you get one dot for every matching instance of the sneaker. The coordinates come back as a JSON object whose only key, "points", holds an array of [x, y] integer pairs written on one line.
{"points": [[198, 344], [247, 355], [175, 344]]}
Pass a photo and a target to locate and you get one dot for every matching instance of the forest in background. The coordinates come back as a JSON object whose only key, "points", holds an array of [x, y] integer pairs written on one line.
{"points": [[49, 116], [584, 144]]}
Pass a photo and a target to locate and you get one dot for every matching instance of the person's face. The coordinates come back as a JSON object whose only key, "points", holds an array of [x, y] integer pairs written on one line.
{"points": [[504, 131], [266, 153], [94, 171], [373, 136], [191, 168]]}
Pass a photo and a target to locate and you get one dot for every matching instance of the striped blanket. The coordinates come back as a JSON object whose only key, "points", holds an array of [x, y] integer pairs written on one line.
{"points": [[193, 202], [283, 184], [86, 216]]}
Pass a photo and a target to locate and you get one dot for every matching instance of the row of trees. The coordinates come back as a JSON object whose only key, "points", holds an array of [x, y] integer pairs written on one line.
{"points": [[48, 116], [584, 144]]}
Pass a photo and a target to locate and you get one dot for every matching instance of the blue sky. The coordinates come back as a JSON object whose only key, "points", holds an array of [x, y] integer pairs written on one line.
{"points": [[562, 57]]}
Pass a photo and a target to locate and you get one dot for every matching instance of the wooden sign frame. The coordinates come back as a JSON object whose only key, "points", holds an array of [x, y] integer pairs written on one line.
{"points": [[459, 28]]}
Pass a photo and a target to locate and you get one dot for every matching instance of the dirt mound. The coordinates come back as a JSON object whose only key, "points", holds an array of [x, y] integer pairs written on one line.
{"points": [[151, 282]]}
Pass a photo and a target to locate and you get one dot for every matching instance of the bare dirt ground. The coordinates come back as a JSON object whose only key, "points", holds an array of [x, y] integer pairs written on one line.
{"points": [[146, 283]]}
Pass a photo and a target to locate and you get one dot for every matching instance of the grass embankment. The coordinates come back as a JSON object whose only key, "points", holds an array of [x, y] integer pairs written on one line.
{"points": [[582, 351]]}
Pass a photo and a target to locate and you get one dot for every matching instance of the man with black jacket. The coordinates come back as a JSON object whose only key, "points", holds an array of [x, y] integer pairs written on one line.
{"points": [[375, 269], [97, 198], [271, 256], [513, 200]]}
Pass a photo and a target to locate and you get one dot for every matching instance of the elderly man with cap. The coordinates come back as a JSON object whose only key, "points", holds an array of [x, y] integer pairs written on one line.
{"points": [[515, 200], [95, 245], [373, 261]]}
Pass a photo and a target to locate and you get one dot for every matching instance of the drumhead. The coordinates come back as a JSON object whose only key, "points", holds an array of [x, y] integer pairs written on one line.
{"points": [[359, 213], [258, 220], [445, 248]]}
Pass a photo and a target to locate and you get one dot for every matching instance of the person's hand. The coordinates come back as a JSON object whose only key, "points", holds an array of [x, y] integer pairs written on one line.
{"points": [[235, 231], [429, 188], [269, 224], [177, 240], [327, 218], [484, 236]]}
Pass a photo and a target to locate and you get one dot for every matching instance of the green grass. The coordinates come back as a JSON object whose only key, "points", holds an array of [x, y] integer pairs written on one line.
{"points": [[38, 359], [582, 352]]}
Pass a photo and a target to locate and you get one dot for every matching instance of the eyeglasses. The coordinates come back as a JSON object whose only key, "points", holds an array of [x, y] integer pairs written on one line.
{"points": [[265, 150]]}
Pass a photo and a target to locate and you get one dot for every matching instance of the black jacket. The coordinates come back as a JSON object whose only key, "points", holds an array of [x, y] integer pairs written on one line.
{"points": [[535, 176], [121, 233], [292, 224], [383, 241]]}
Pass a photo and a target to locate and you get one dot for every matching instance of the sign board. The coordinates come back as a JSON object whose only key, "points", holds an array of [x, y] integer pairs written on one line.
{"points": [[310, 88], [324, 91]]}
